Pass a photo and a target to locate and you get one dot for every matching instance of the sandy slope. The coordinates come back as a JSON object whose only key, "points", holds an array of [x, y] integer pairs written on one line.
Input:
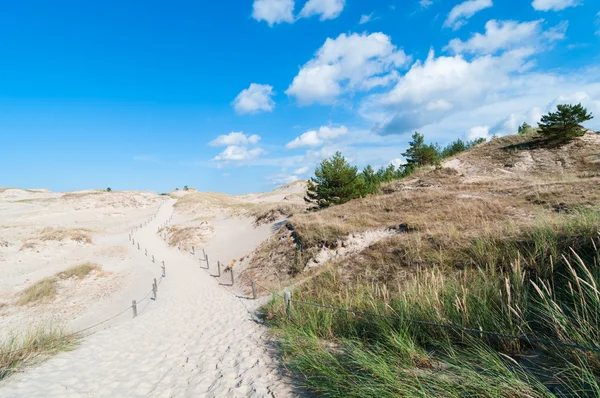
{"points": [[197, 339]]}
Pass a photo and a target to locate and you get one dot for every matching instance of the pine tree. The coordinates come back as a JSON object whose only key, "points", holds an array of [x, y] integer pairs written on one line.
{"points": [[370, 180], [420, 154], [565, 123], [335, 182], [524, 128]]}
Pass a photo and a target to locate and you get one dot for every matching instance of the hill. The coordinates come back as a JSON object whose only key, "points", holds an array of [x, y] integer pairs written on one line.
{"points": [[495, 240]]}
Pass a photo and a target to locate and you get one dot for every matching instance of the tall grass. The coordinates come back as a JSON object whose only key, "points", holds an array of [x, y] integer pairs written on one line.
{"points": [[543, 285], [32, 347]]}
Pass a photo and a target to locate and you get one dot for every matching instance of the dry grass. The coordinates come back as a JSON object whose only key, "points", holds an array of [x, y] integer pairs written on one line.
{"points": [[61, 234], [447, 211], [45, 290], [187, 236], [79, 271], [41, 291]]}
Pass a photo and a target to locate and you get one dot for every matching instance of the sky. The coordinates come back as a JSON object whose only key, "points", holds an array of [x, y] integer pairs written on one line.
{"points": [[244, 96]]}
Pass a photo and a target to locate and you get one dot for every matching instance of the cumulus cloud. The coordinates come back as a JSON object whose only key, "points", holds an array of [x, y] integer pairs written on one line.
{"points": [[499, 35], [273, 11], [355, 62], [235, 152], [314, 138], [478, 132], [459, 15], [553, 5], [327, 9], [235, 138], [425, 3], [256, 98]]}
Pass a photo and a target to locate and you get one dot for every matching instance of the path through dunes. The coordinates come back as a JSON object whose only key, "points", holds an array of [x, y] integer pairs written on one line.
{"points": [[197, 339]]}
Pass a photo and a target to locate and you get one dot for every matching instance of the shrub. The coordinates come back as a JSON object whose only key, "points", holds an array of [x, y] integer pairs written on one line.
{"points": [[109, 189], [565, 123]]}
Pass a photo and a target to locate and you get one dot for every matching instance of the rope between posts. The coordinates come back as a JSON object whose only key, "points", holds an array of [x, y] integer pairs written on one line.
{"points": [[441, 325], [57, 340]]}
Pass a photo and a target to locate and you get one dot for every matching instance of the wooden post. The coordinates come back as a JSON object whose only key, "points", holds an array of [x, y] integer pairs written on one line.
{"points": [[146, 251], [253, 289], [203, 254], [287, 297], [153, 259], [231, 270], [206, 258], [164, 271], [134, 306], [193, 250], [133, 242], [138, 245], [154, 288], [218, 269]]}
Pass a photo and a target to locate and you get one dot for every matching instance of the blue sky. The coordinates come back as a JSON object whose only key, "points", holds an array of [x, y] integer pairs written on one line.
{"points": [[243, 96]]}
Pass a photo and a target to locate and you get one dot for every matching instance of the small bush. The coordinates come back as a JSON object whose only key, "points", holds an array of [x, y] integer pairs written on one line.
{"points": [[109, 189]]}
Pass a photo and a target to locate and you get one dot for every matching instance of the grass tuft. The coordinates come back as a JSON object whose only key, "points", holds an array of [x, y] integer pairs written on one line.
{"points": [[32, 347]]}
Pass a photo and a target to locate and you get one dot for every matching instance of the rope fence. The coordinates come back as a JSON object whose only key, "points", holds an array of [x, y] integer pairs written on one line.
{"points": [[53, 343]]}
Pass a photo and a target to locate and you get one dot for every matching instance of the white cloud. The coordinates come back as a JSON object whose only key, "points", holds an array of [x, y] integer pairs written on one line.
{"points": [[235, 152], [425, 3], [478, 132], [397, 162], [553, 5], [459, 15], [347, 63], [281, 179], [598, 24], [327, 9], [431, 89], [315, 138], [235, 138], [365, 18], [499, 35], [300, 171], [273, 11], [256, 98]]}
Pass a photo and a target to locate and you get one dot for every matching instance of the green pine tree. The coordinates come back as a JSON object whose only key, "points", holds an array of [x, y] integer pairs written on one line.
{"points": [[565, 123], [335, 182], [420, 154]]}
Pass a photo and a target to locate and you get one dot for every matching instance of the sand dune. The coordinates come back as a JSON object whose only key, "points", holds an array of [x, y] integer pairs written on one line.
{"points": [[197, 339]]}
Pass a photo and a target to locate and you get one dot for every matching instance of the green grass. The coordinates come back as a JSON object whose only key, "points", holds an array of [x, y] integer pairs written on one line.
{"points": [[32, 347], [542, 284]]}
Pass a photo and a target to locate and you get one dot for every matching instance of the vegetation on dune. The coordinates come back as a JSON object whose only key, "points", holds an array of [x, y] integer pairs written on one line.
{"points": [[533, 286], [32, 347], [565, 123], [517, 255], [45, 289]]}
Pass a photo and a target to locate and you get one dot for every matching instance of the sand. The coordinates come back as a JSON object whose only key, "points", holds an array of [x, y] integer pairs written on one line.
{"points": [[198, 338]]}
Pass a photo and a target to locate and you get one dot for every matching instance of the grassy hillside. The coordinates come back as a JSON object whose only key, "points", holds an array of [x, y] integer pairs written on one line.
{"points": [[503, 238]]}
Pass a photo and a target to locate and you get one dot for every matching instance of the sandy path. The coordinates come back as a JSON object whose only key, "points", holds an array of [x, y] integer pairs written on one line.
{"points": [[196, 340]]}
